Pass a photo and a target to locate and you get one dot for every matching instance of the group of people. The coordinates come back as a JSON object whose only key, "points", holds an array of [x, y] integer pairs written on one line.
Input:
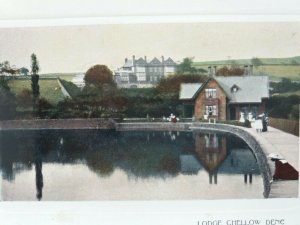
{"points": [[260, 124], [172, 118]]}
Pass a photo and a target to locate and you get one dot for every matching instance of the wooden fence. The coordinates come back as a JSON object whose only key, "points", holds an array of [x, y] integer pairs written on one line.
{"points": [[289, 126]]}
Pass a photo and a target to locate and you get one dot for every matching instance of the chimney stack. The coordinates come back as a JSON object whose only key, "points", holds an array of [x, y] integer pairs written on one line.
{"points": [[215, 71], [133, 59], [209, 71], [246, 70], [251, 69], [126, 60], [145, 57], [162, 59]]}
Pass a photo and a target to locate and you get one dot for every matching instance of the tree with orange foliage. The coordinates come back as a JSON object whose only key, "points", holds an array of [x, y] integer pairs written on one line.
{"points": [[99, 76], [172, 83], [233, 71]]}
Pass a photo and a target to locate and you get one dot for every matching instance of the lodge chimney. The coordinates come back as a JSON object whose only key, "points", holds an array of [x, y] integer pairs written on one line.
{"points": [[162, 59], [209, 71], [145, 58], [126, 60], [133, 59], [251, 69], [246, 70], [215, 71]]}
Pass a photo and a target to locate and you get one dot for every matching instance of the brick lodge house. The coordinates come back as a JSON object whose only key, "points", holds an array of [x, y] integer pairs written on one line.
{"points": [[224, 98]]}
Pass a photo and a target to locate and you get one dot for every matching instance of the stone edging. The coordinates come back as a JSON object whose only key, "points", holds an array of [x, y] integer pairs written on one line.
{"points": [[255, 146]]}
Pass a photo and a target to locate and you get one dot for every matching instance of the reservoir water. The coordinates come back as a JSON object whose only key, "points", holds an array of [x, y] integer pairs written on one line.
{"points": [[109, 165]]}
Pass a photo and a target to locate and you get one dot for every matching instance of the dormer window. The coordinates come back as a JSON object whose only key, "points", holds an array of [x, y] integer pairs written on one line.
{"points": [[234, 89]]}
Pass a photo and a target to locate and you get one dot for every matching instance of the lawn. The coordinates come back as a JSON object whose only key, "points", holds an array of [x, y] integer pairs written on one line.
{"points": [[49, 88]]}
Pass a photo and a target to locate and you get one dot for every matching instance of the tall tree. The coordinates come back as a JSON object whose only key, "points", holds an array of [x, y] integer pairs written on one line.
{"points": [[186, 67], [35, 80]]}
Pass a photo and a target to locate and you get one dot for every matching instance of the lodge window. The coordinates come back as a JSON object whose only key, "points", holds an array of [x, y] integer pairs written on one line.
{"points": [[210, 93], [211, 110]]}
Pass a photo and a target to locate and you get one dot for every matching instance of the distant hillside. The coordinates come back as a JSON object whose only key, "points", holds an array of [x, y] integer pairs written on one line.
{"points": [[276, 68], [265, 61], [65, 76]]}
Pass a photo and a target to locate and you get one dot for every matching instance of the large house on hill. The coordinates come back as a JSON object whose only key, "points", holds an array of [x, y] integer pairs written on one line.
{"points": [[224, 98], [143, 73]]}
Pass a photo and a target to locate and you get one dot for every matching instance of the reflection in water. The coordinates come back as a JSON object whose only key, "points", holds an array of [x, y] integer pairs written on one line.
{"points": [[145, 157], [39, 177], [211, 150]]}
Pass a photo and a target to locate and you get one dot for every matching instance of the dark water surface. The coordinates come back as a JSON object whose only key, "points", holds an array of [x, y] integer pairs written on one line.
{"points": [[110, 165]]}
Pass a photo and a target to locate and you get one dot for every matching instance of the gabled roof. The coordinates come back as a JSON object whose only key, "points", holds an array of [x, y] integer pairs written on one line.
{"points": [[188, 90], [169, 61], [251, 88], [129, 63], [155, 61], [140, 61]]}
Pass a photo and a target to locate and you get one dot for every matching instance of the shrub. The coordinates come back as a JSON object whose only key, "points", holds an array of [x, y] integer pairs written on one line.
{"points": [[24, 98], [247, 123]]}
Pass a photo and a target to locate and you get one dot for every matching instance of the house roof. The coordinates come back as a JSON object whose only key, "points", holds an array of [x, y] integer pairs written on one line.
{"points": [[141, 61], [169, 61], [129, 63], [188, 90], [251, 88], [155, 61]]}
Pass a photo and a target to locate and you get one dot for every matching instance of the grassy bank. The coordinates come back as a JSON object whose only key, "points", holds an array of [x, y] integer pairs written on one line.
{"points": [[49, 88]]}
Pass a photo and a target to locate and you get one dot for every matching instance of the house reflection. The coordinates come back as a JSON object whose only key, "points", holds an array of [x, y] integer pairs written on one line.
{"points": [[211, 151], [215, 154]]}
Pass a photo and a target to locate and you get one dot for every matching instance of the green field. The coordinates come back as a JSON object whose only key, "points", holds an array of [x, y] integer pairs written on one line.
{"points": [[276, 68], [49, 88], [265, 61]]}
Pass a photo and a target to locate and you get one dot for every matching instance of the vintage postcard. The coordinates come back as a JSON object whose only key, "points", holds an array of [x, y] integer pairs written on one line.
{"points": [[167, 111]]}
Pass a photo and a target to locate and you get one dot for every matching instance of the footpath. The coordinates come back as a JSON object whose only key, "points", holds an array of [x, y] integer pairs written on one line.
{"points": [[287, 145]]}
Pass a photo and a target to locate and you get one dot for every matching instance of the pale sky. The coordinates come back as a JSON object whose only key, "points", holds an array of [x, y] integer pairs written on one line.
{"points": [[76, 48]]}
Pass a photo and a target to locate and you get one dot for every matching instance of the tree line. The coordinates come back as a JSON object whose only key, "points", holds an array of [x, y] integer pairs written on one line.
{"points": [[101, 97]]}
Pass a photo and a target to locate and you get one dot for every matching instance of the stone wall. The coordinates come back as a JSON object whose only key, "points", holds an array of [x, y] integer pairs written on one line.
{"points": [[57, 124]]}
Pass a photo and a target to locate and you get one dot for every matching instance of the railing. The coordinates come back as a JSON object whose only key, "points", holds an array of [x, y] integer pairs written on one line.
{"points": [[289, 126]]}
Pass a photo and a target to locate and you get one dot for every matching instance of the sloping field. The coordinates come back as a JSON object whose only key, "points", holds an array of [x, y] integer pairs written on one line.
{"points": [[49, 88], [276, 68], [277, 72], [265, 61]]}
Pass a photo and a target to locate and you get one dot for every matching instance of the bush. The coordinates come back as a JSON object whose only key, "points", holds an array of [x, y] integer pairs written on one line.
{"points": [[43, 107], [247, 123], [24, 98], [282, 106]]}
